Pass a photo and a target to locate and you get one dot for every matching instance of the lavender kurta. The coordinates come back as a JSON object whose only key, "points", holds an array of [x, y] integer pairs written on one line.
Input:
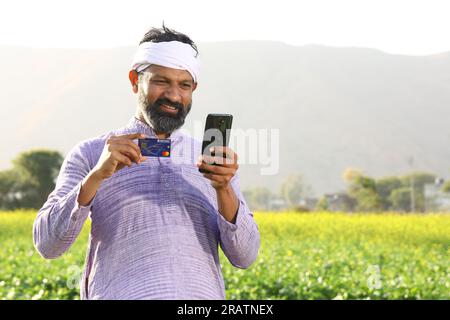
{"points": [[155, 226]]}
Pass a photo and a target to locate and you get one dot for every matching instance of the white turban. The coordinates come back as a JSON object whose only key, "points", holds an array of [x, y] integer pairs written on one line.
{"points": [[172, 54]]}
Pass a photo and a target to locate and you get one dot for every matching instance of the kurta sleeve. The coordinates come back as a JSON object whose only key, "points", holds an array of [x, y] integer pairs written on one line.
{"points": [[240, 241], [61, 218]]}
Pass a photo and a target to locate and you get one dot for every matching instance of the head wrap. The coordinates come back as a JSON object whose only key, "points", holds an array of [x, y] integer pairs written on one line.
{"points": [[172, 54]]}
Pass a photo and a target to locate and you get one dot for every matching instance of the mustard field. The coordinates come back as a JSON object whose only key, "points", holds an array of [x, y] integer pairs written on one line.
{"points": [[302, 256]]}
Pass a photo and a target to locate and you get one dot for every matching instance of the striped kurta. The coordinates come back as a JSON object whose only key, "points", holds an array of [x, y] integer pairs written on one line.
{"points": [[155, 226]]}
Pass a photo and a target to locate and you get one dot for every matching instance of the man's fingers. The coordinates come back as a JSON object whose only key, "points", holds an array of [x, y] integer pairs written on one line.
{"points": [[217, 177], [121, 158], [220, 149], [217, 160], [126, 150], [215, 169], [130, 143], [225, 152], [131, 136]]}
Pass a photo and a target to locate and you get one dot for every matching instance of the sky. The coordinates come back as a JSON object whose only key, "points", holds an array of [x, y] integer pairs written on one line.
{"points": [[408, 27]]}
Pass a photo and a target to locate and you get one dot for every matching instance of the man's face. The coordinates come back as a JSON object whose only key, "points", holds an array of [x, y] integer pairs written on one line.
{"points": [[165, 97]]}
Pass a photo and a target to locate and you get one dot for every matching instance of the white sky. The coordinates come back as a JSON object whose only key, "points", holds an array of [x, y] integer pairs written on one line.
{"points": [[397, 26]]}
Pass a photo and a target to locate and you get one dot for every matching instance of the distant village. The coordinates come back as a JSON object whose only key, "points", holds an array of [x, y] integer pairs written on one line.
{"points": [[430, 196], [31, 179]]}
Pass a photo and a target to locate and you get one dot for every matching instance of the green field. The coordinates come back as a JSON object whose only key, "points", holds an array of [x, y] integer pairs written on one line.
{"points": [[302, 256]]}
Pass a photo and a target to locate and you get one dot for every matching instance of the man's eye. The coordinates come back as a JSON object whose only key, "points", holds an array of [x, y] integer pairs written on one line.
{"points": [[186, 85]]}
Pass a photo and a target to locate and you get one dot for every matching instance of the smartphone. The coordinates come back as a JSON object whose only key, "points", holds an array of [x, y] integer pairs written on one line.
{"points": [[217, 133]]}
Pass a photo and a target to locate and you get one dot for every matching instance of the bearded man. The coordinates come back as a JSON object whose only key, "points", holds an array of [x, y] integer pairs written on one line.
{"points": [[156, 222]]}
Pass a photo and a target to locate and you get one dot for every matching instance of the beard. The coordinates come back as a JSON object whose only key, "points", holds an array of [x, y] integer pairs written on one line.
{"points": [[161, 121]]}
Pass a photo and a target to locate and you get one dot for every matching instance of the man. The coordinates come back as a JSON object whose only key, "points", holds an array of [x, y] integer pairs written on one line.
{"points": [[156, 223]]}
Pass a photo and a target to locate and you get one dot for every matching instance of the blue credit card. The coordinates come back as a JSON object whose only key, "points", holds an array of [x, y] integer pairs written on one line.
{"points": [[151, 147]]}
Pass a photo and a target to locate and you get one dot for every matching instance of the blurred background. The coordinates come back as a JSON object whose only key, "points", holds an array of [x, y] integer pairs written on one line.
{"points": [[360, 85]]}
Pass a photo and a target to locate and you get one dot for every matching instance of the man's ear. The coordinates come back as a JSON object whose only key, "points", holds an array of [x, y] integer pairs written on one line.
{"points": [[133, 76], [194, 86]]}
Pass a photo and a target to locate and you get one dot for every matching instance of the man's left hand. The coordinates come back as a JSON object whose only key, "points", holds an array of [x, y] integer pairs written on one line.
{"points": [[225, 167]]}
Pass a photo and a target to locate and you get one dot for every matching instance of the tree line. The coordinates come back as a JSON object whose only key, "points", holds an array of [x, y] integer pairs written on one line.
{"points": [[30, 180], [33, 175], [363, 194]]}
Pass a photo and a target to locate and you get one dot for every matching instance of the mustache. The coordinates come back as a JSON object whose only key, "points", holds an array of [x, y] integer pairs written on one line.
{"points": [[167, 102]]}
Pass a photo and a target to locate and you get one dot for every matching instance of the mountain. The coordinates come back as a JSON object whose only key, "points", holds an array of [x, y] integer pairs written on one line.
{"points": [[333, 107]]}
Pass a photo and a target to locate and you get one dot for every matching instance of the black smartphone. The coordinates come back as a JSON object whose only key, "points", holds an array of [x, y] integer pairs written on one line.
{"points": [[217, 133]]}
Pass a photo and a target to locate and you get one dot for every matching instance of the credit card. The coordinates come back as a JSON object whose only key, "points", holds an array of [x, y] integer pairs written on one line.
{"points": [[151, 147]]}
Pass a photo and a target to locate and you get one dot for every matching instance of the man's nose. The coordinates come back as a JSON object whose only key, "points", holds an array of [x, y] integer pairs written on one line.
{"points": [[173, 94]]}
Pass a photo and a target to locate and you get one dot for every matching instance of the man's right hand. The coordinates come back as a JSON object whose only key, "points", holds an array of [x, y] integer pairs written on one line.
{"points": [[118, 152]]}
